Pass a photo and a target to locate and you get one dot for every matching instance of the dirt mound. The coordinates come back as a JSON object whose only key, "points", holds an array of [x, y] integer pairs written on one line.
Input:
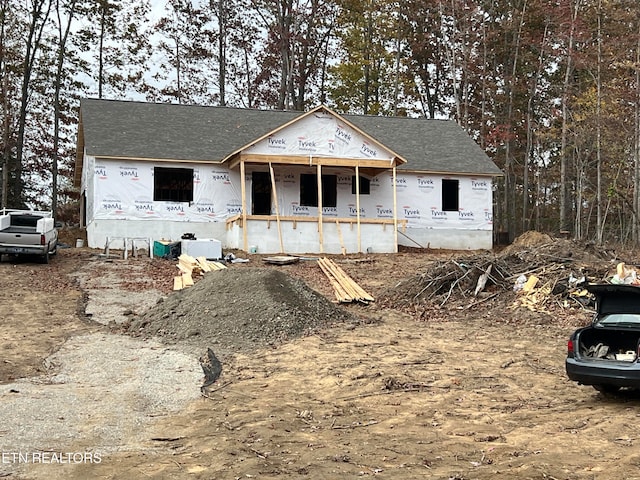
{"points": [[238, 310], [536, 248], [527, 240]]}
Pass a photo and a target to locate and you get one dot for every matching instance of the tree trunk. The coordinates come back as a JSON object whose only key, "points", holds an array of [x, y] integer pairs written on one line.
{"points": [[6, 127], [62, 38], [34, 36], [599, 219], [526, 201], [222, 51], [564, 181], [636, 152], [510, 187]]}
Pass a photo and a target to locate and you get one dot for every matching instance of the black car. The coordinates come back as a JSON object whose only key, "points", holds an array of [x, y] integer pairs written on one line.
{"points": [[605, 354]]}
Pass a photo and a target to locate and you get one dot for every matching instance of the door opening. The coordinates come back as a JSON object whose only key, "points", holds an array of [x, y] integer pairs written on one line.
{"points": [[260, 193]]}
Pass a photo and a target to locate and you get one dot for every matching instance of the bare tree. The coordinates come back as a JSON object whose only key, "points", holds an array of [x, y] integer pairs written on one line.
{"points": [[63, 35], [38, 16], [566, 90]]}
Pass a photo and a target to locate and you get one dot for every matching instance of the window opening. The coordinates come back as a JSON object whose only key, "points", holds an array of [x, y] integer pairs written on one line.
{"points": [[172, 184], [365, 185], [450, 197], [309, 190]]}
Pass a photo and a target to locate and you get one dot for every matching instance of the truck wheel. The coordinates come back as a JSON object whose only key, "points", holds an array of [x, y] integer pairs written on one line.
{"points": [[45, 258], [605, 388]]}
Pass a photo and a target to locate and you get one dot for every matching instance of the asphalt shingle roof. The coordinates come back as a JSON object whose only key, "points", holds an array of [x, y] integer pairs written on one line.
{"points": [[112, 128]]}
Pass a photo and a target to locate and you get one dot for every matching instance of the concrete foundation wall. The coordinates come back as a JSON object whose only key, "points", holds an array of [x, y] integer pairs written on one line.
{"points": [[99, 230], [303, 237], [446, 239]]}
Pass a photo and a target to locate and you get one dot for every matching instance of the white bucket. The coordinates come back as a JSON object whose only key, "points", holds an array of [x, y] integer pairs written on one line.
{"points": [[79, 243]]}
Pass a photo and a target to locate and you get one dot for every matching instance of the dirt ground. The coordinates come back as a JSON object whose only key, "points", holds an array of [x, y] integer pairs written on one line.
{"points": [[464, 389]]}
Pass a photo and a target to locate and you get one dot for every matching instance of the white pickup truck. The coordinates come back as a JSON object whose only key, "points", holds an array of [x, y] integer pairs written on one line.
{"points": [[28, 232]]}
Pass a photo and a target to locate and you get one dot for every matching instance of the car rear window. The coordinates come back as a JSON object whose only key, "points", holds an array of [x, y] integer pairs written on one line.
{"points": [[619, 319], [25, 220]]}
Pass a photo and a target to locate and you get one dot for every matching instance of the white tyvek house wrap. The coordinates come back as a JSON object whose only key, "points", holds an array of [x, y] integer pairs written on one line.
{"points": [[419, 199], [321, 135], [124, 190], [420, 202]]}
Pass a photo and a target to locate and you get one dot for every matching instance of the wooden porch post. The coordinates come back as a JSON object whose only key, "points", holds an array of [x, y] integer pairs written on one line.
{"points": [[395, 212], [319, 174], [358, 207], [275, 199], [243, 190]]}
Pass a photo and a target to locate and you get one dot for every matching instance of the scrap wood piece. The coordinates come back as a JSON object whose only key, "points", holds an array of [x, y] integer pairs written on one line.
{"points": [[187, 263], [217, 265], [187, 280], [341, 295], [482, 280], [204, 264], [177, 283], [184, 269], [530, 284], [535, 300], [187, 259], [281, 259], [345, 288]]}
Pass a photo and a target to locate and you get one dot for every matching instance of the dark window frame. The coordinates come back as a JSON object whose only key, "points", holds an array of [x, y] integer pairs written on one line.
{"points": [[172, 184], [309, 190], [450, 195], [365, 185]]}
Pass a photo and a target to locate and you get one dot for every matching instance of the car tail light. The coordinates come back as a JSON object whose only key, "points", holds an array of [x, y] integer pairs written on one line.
{"points": [[570, 347], [41, 239]]}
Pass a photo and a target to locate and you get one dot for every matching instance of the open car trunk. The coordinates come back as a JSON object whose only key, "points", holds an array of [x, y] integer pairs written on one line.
{"points": [[612, 342], [608, 345]]}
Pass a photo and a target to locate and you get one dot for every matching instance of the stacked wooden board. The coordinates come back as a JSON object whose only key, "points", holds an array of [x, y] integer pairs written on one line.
{"points": [[345, 289], [190, 266]]}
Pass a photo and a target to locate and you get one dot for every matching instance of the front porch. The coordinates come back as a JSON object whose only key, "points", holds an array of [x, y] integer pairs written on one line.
{"points": [[299, 235]]}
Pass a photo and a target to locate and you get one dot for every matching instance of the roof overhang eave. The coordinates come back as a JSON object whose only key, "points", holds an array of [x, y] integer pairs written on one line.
{"points": [[157, 159], [233, 161], [457, 174]]}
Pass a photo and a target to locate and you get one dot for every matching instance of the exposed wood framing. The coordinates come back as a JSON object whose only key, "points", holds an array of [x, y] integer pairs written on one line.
{"points": [[299, 160], [358, 207], [275, 199], [343, 249], [319, 175], [395, 212], [243, 192], [289, 218]]}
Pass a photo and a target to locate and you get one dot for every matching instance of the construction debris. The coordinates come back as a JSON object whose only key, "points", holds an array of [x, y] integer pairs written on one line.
{"points": [[535, 272], [625, 275], [345, 289], [190, 266]]}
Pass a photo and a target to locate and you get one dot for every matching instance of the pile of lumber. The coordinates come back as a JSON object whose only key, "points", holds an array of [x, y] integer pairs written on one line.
{"points": [[345, 289], [190, 266]]}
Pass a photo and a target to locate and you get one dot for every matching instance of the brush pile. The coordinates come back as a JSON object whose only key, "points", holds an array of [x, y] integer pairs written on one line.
{"points": [[535, 272]]}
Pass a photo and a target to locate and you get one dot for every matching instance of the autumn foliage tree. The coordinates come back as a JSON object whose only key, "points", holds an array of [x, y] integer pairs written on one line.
{"points": [[549, 88]]}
